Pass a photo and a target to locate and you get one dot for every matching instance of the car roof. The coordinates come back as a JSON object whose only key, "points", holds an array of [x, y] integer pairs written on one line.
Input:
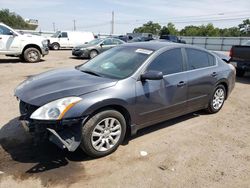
{"points": [[157, 45]]}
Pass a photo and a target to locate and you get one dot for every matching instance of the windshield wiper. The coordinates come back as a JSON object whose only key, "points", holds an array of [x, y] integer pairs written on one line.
{"points": [[91, 72]]}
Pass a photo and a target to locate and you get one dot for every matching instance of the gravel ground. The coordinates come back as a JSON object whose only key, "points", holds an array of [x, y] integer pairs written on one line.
{"points": [[195, 150]]}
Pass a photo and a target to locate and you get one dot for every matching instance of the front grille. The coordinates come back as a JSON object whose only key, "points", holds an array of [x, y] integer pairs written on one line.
{"points": [[26, 110]]}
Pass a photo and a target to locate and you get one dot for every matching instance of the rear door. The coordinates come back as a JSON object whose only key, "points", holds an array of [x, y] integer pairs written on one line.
{"points": [[159, 100], [202, 76]]}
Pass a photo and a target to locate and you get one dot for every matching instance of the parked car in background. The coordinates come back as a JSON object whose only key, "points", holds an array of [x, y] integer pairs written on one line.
{"points": [[172, 38], [95, 47], [240, 58], [124, 38], [141, 39], [29, 48], [69, 39], [121, 91]]}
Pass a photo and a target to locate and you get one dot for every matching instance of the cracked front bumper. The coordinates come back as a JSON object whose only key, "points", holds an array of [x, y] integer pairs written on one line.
{"points": [[66, 134]]}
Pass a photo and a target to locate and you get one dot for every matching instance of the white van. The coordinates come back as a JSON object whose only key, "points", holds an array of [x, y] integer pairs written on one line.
{"points": [[29, 48], [69, 39]]}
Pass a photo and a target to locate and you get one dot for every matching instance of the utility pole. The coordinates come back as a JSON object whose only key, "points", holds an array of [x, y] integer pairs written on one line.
{"points": [[113, 23], [54, 26], [74, 24]]}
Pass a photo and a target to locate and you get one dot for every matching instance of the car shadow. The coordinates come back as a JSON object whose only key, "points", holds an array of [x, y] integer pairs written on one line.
{"points": [[16, 142], [245, 79], [163, 125], [18, 145], [79, 58], [16, 60]]}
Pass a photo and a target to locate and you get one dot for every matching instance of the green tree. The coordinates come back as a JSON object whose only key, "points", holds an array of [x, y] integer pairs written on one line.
{"points": [[190, 31], [149, 27], [13, 20], [230, 32], [245, 27], [164, 31], [172, 29]]}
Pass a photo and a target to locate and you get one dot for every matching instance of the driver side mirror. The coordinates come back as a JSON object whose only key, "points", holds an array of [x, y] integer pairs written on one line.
{"points": [[101, 44], [152, 75], [13, 34]]}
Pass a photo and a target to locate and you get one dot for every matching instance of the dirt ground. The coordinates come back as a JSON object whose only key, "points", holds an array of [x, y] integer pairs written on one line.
{"points": [[195, 150]]}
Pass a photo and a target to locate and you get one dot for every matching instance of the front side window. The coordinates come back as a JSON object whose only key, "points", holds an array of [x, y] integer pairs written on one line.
{"points": [[64, 35], [168, 62], [199, 59], [5, 31], [107, 42], [116, 41]]}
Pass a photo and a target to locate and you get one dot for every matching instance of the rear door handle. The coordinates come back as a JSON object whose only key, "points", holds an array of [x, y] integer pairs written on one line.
{"points": [[0, 38], [214, 74], [181, 83]]}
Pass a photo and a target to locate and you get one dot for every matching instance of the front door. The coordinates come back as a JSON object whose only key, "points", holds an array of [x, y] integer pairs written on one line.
{"points": [[64, 40], [6, 39], [107, 44], [159, 100]]}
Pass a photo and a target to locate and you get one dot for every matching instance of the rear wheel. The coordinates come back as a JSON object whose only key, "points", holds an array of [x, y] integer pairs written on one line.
{"points": [[240, 72], [217, 100], [103, 133], [32, 55], [93, 53]]}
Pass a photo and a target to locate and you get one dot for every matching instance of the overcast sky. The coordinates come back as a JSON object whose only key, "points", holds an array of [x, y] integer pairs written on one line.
{"points": [[95, 15]]}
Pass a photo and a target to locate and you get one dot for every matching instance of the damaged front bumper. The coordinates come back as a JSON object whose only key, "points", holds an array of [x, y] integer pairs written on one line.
{"points": [[66, 134]]}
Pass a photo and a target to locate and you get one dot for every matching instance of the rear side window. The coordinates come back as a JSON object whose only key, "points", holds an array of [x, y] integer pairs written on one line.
{"points": [[168, 62], [199, 59]]}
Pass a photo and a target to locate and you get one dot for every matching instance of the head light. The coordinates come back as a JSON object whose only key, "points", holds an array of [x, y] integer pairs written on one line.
{"points": [[55, 110]]}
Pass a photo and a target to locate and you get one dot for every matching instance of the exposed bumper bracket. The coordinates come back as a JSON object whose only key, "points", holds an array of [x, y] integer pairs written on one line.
{"points": [[69, 138]]}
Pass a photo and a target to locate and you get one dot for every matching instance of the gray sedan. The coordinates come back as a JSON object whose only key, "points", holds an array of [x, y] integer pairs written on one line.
{"points": [[95, 47], [127, 88]]}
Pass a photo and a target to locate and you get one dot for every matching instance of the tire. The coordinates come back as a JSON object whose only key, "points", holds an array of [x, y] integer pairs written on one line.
{"points": [[100, 139], [217, 100], [32, 55], [55, 46], [240, 72], [93, 53]]}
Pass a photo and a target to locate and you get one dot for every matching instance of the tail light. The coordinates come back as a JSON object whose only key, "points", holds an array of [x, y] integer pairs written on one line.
{"points": [[231, 52]]}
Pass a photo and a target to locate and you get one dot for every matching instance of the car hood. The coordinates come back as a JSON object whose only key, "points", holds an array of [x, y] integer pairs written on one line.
{"points": [[43, 88]]}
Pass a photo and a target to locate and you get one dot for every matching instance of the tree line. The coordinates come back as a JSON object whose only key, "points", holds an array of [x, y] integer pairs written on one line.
{"points": [[209, 30], [14, 20]]}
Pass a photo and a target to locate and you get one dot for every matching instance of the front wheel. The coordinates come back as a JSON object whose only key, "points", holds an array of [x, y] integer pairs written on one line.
{"points": [[217, 100], [93, 53], [32, 55], [55, 46], [103, 133]]}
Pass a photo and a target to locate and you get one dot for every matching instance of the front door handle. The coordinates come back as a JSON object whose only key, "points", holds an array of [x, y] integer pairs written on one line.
{"points": [[181, 84], [214, 74]]}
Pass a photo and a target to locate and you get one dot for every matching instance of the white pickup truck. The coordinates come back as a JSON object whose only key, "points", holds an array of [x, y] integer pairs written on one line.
{"points": [[27, 47]]}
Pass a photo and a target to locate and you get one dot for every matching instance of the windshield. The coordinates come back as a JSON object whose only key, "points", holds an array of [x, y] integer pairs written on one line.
{"points": [[95, 41], [118, 63], [56, 34]]}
